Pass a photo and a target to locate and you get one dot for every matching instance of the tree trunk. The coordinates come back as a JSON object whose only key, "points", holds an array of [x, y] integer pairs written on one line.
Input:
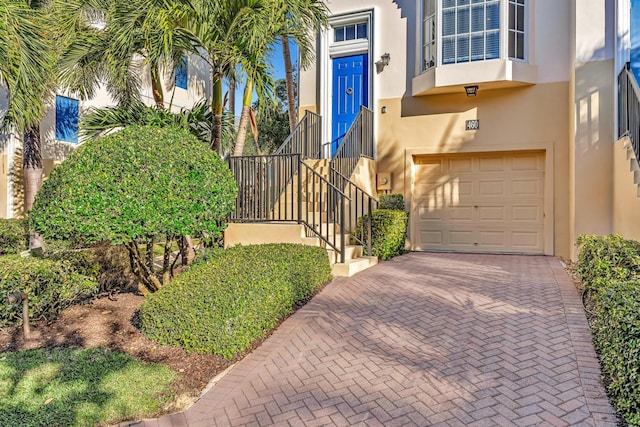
{"points": [[244, 118], [216, 110], [166, 261], [232, 96], [187, 253], [147, 281], [32, 171], [156, 87], [288, 69]]}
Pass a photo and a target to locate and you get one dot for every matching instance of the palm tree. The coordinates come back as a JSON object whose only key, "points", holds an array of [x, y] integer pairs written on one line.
{"points": [[214, 27], [107, 40], [27, 64], [303, 20]]}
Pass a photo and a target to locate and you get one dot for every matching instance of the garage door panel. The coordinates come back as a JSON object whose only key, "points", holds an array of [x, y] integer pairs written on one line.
{"points": [[480, 203], [491, 164], [491, 188]]}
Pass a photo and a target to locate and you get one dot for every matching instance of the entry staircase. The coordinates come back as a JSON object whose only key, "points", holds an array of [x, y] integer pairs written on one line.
{"points": [[629, 120], [297, 195]]}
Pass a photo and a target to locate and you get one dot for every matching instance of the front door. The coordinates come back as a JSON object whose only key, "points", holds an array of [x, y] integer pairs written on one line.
{"points": [[350, 91]]}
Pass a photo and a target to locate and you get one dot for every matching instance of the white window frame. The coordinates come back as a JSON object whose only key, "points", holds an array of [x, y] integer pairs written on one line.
{"points": [[504, 35]]}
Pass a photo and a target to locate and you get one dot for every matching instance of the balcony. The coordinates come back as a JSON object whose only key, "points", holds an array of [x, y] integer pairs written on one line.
{"points": [[491, 74]]}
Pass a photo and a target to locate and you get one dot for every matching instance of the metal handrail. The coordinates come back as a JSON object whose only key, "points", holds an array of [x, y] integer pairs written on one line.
{"points": [[305, 138], [629, 108], [266, 186], [357, 142], [361, 206]]}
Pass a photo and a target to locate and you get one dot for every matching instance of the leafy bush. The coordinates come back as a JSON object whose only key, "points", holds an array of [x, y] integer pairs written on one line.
{"points": [[388, 231], [391, 201], [51, 285], [14, 236], [603, 259], [234, 298], [133, 185], [616, 331]]}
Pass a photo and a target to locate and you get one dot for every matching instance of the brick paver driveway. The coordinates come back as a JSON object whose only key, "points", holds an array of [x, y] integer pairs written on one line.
{"points": [[425, 339]]}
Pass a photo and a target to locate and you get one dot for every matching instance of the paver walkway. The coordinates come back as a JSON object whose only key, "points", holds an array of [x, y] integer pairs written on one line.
{"points": [[425, 339]]}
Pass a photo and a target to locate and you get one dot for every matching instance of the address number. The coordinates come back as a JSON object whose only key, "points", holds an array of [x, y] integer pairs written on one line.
{"points": [[472, 124]]}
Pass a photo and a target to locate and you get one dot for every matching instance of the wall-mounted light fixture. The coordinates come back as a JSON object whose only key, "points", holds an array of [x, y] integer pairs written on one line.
{"points": [[471, 90], [382, 62]]}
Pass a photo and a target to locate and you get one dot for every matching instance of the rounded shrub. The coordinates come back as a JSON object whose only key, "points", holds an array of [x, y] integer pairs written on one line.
{"points": [[239, 294], [140, 182], [388, 232], [391, 201], [616, 333], [603, 259], [51, 286], [14, 236]]}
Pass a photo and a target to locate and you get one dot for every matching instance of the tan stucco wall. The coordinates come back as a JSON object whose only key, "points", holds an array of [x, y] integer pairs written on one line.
{"points": [[591, 147], [527, 118], [626, 203]]}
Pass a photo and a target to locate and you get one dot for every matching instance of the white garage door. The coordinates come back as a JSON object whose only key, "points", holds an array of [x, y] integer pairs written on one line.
{"points": [[490, 202]]}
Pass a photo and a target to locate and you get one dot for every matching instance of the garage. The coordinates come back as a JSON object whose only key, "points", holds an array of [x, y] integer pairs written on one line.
{"points": [[483, 202]]}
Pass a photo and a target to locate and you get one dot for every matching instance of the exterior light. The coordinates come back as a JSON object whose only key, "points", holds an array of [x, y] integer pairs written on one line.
{"points": [[17, 298], [382, 62], [471, 90]]}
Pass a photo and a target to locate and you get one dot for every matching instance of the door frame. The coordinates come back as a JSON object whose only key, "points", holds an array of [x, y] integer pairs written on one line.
{"points": [[330, 50]]}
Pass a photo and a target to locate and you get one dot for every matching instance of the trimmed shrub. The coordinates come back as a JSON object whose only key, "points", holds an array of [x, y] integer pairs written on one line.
{"points": [[616, 330], [132, 185], [603, 259], [51, 286], [391, 201], [388, 231], [14, 236], [234, 298]]}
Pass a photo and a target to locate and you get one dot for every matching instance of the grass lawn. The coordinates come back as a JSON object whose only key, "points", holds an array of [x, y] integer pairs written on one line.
{"points": [[79, 387]]}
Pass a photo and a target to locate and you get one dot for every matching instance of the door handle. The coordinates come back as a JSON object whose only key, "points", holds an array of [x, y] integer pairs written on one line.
{"points": [[349, 91]]}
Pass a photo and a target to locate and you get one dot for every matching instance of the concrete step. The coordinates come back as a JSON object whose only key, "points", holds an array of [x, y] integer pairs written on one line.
{"points": [[351, 252], [353, 266]]}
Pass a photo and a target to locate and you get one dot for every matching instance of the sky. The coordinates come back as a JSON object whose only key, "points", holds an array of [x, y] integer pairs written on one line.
{"points": [[278, 70]]}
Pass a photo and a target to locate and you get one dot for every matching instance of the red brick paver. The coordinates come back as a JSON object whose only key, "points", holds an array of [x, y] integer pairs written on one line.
{"points": [[425, 339]]}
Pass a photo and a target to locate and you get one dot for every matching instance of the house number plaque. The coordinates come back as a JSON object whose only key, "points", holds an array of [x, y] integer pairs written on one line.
{"points": [[472, 125]]}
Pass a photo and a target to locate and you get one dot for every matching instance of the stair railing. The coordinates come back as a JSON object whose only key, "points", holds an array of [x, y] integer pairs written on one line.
{"points": [[305, 139], [357, 142], [283, 188], [361, 204], [629, 108]]}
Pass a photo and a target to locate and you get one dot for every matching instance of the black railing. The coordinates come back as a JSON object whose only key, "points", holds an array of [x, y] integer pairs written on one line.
{"points": [[357, 142], [305, 138], [360, 206], [262, 183], [629, 108], [283, 188]]}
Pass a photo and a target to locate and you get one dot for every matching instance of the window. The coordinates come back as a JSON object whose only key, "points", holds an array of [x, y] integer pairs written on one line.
{"points": [[350, 32], [516, 29], [66, 119], [429, 34], [470, 30], [182, 73]]}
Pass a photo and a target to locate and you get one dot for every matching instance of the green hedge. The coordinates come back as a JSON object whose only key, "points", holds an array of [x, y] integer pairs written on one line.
{"points": [[234, 298], [609, 268], [51, 285], [391, 201], [388, 230], [616, 333], [603, 259], [14, 236]]}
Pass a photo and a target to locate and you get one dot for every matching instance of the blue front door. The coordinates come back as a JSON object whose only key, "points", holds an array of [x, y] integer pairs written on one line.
{"points": [[350, 91]]}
